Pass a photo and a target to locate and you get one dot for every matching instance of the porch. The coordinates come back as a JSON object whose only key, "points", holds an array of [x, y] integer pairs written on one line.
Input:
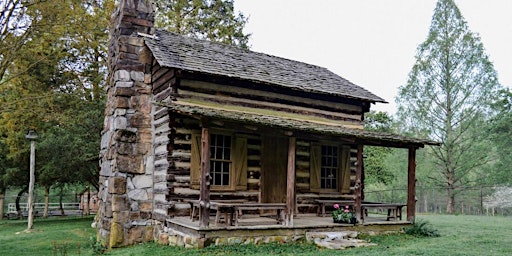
{"points": [[183, 231]]}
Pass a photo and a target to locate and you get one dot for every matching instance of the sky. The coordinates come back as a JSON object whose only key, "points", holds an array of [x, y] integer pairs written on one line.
{"points": [[372, 43]]}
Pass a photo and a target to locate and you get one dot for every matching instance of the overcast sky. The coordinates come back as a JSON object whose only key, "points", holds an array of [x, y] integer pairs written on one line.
{"points": [[370, 42]]}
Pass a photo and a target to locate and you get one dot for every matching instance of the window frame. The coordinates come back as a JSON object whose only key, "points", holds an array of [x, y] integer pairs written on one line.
{"points": [[344, 168], [338, 168], [231, 185], [238, 166]]}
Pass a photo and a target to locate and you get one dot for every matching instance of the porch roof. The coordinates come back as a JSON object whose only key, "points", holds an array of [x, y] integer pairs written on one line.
{"points": [[296, 124]]}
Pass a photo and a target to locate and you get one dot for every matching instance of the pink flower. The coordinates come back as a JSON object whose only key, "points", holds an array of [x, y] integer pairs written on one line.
{"points": [[346, 210], [336, 206], [346, 206]]}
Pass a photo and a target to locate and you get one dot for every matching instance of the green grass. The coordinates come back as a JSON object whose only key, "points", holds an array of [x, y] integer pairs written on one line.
{"points": [[460, 235], [52, 236]]}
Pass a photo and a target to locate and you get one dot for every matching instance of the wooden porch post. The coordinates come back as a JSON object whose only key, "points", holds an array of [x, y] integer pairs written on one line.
{"points": [[411, 185], [358, 185], [290, 183], [204, 189]]}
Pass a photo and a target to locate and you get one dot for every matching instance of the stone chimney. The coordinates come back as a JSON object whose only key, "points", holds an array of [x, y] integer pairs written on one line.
{"points": [[126, 159]]}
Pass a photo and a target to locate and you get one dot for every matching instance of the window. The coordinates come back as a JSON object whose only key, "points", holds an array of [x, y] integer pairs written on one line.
{"points": [[329, 168], [220, 159], [228, 161]]}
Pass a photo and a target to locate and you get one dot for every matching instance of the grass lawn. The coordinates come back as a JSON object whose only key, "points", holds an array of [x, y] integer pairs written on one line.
{"points": [[460, 235], [52, 236]]}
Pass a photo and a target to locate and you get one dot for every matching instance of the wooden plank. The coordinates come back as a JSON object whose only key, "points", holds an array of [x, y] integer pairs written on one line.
{"points": [[290, 183], [273, 169], [411, 185], [204, 192], [243, 91], [338, 115]]}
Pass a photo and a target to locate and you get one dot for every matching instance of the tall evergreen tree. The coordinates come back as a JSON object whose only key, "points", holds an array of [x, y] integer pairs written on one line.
{"points": [[447, 96], [214, 20]]}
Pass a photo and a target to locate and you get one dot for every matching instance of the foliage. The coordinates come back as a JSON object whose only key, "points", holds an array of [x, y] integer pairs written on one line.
{"points": [[214, 20], [96, 246], [501, 198], [342, 214], [53, 85], [448, 97], [374, 164], [500, 129], [422, 228]]}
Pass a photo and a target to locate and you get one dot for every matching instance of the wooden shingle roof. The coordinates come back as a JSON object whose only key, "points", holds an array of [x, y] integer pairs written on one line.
{"points": [[189, 54], [293, 124]]}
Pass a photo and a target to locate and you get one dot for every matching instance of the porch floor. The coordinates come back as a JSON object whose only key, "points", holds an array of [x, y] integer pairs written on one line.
{"points": [[254, 226], [299, 221]]}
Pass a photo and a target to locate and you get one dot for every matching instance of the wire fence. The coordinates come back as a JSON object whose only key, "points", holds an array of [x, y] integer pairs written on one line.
{"points": [[469, 200]]}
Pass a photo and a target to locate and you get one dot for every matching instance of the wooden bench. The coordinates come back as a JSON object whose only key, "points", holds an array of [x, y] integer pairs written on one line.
{"points": [[233, 209], [239, 208], [218, 205], [394, 210], [323, 202]]}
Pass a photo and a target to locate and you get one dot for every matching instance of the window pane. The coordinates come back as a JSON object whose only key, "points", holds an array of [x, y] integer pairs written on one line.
{"points": [[227, 141], [329, 167], [220, 149], [227, 154]]}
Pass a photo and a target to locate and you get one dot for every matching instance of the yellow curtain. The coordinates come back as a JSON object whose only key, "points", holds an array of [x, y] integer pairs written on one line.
{"points": [[345, 169], [240, 163], [315, 166], [195, 161]]}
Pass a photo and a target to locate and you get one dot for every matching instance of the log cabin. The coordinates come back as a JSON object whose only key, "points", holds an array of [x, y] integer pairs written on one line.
{"points": [[197, 134]]}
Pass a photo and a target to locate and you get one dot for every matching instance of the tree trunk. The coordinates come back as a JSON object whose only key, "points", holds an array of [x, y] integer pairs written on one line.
{"points": [[87, 202], [2, 196], [46, 201], [60, 202], [18, 199], [450, 207]]}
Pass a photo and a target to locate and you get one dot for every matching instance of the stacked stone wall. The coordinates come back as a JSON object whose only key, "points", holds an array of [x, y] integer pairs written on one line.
{"points": [[126, 156]]}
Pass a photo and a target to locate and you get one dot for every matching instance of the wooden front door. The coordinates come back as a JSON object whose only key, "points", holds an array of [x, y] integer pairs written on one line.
{"points": [[274, 161]]}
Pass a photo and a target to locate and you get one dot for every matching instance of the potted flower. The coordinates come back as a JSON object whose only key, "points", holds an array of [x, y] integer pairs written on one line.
{"points": [[343, 215]]}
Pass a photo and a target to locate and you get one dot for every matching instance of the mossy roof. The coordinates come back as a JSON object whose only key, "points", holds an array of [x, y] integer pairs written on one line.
{"points": [[194, 55], [283, 122]]}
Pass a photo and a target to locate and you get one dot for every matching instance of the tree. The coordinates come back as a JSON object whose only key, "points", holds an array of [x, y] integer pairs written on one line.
{"points": [[500, 198], [448, 95], [214, 20], [500, 130], [53, 84], [3, 171], [374, 163]]}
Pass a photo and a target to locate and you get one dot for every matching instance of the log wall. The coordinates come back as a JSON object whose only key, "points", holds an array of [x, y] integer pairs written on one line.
{"points": [[173, 134]]}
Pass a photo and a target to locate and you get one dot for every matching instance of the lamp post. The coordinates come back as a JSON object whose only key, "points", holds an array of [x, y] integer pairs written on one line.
{"points": [[32, 136]]}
